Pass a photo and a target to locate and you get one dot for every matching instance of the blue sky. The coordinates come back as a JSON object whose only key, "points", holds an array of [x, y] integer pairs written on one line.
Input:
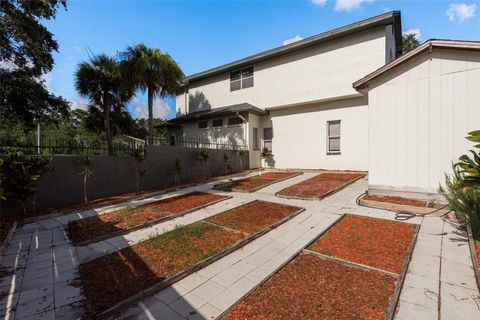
{"points": [[204, 34]]}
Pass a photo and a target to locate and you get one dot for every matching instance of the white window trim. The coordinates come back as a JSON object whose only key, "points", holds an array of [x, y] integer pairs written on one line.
{"points": [[242, 78], [330, 152]]}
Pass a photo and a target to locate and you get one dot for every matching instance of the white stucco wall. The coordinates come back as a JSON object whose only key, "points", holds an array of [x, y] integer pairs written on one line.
{"points": [[313, 74], [300, 136], [419, 114]]}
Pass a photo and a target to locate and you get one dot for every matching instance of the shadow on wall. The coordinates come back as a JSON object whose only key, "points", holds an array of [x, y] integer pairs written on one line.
{"points": [[198, 102]]}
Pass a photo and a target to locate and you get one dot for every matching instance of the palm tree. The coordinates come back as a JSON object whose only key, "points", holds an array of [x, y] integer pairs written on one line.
{"points": [[152, 71], [101, 80]]}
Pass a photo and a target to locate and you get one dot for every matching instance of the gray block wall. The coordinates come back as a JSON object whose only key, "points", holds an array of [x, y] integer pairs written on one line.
{"points": [[115, 175]]}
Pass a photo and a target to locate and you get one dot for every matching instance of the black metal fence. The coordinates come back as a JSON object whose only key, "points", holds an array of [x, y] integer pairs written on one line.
{"points": [[120, 147]]}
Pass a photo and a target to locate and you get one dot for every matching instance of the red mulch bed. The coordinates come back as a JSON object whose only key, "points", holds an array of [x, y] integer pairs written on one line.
{"points": [[254, 216], [112, 278], [397, 200], [258, 181], [373, 242], [320, 185], [108, 223], [310, 287]]}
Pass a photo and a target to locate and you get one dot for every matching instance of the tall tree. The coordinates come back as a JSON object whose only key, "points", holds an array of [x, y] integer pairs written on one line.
{"points": [[409, 42], [152, 71], [25, 55], [101, 80]]}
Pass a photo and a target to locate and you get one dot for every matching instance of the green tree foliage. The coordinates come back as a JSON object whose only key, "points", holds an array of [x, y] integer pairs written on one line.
{"points": [[26, 54], [101, 80], [203, 156], [23, 173], [140, 155], [152, 71], [409, 42]]}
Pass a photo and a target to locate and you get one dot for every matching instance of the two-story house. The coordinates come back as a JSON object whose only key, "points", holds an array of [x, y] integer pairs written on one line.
{"points": [[296, 100]]}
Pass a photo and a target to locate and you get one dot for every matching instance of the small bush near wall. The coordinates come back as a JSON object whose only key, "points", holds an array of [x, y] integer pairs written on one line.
{"points": [[115, 175], [463, 187]]}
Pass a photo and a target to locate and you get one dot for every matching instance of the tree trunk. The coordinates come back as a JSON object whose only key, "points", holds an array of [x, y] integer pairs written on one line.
{"points": [[106, 115], [85, 187], [150, 116]]}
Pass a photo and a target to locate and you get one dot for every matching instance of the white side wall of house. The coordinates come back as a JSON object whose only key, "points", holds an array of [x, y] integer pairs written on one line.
{"points": [[419, 114], [320, 72], [300, 135]]}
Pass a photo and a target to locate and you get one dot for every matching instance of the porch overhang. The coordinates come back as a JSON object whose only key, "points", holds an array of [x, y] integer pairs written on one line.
{"points": [[241, 108]]}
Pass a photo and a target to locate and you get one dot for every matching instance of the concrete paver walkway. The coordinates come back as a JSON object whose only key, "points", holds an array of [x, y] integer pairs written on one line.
{"points": [[439, 284]]}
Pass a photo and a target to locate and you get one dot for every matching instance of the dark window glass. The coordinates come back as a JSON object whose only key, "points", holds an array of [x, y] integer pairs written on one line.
{"points": [[241, 79], [256, 145], [217, 123], [247, 72], [267, 134], [235, 85], [247, 83], [202, 124], [235, 75], [234, 121]]}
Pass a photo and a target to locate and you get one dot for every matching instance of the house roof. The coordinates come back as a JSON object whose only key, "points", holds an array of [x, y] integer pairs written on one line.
{"points": [[211, 113], [392, 17], [431, 44]]}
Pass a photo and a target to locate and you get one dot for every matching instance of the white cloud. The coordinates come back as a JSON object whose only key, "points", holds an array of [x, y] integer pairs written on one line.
{"points": [[350, 5], [161, 109], [80, 104], [292, 40], [318, 3], [461, 12], [415, 32]]}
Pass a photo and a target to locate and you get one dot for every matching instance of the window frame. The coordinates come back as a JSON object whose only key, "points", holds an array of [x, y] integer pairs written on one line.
{"points": [[236, 124], [241, 78], [216, 127], [198, 125], [330, 137], [270, 141], [256, 139]]}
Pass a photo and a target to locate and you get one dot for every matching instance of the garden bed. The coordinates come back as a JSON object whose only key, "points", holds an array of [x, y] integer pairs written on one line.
{"points": [[399, 204], [123, 277], [310, 287], [122, 221], [257, 182], [474, 247], [355, 270], [320, 186]]}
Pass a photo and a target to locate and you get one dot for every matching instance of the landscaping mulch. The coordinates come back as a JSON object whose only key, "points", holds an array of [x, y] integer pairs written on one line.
{"points": [[373, 242], [256, 182], [310, 287], [110, 223], [320, 185], [112, 278], [253, 216], [397, 200]]}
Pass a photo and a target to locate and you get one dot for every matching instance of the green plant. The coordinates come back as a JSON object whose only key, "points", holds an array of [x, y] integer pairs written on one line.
{"points": [[203, 157], [85, 166], [24, 173], [140, 155], [176, 170], [465, 202], [225, 163], [469, 168], [240, 153], [2, 192]]}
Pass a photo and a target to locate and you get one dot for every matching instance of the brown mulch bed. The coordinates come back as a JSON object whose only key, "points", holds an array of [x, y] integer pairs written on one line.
{"points": [[253, 216], [112, 278], [124, 219], [373, 242], [258, 181], [310, 287], [397, 200], [320, 185], [116, 276]]}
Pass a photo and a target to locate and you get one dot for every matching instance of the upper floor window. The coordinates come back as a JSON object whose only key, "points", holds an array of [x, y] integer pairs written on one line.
{"points": [[203, 124], [233, 121], [217, 123], [333, 136], [241, 79]]}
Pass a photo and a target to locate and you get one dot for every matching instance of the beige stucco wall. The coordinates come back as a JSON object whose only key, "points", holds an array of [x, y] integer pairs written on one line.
{"points": [[300, 135], [320, 72], [419, 114]]}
